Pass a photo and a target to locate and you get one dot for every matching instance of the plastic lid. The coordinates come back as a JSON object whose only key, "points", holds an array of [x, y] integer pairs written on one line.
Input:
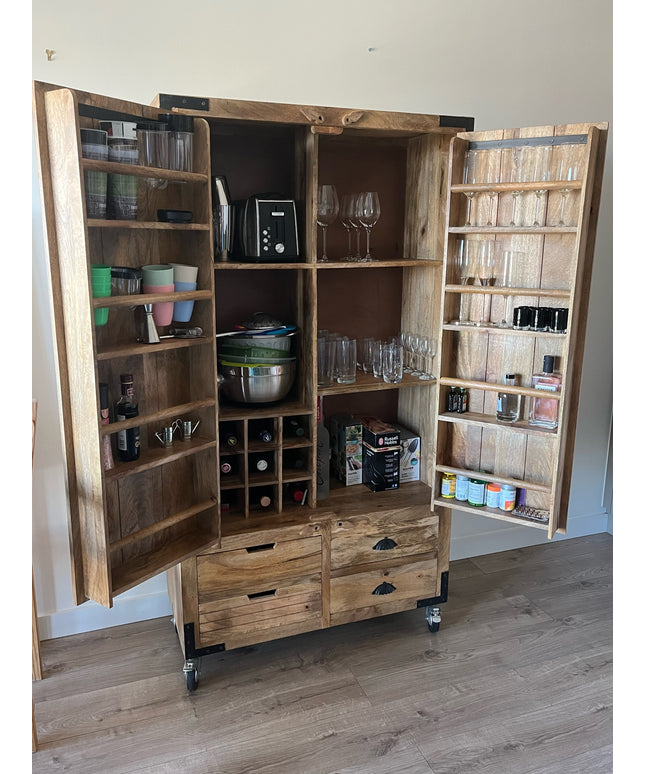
{"points": [[178, 122], [103, 393], [125, 272], [547, 368], [152, 126], [510, 376], [126, 377], [96, 136]]}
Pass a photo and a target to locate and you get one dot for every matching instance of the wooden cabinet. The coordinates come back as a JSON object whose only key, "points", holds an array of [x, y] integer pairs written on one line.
{"points": [[239, 572]]}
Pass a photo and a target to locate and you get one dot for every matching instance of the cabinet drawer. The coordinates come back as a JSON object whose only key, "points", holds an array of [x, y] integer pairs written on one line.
{"points": [[382, 537], [290, 607], [257, 567], [383, 590]]}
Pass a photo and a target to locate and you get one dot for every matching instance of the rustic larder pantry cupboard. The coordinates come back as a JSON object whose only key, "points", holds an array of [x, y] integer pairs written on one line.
{"points": [[240, 574]]}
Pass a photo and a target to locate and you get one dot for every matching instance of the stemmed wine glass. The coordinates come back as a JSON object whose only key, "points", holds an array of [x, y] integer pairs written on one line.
{"points": [[567, 170], [368, 210], [492, 177], [327, 212], [356, 225], [504, 278], [407, 352], [465, 264], [415, 349], [542, 158], [516, 177], [471, 177], [486, 274], [428, 351], [347, 213]]}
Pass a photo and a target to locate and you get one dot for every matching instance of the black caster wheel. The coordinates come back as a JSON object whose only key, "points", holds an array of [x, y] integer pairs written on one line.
{"points": [[192, 675], [433, 617]]}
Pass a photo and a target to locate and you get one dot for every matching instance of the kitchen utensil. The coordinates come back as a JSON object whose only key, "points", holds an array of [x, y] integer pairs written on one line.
{"points": [[164, 436], [267, 229], [223, 218], [257, 384]]}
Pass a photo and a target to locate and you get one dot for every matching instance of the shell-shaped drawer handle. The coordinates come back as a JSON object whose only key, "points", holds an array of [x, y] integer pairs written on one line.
{"points": [[353, 117], [385, 544], [384, 588]]}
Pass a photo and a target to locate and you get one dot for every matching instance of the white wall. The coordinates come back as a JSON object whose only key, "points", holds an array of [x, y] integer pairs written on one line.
{"points": [[506, 62]]}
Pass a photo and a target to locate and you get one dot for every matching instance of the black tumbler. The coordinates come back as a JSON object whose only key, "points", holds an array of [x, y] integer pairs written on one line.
{"points": [[522, 318]]}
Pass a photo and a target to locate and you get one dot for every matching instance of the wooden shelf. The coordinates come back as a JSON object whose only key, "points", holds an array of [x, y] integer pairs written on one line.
{"points": [[139, 299], [231, 412], [491, 513], [147, 225], [137, 170], [296, 443], [380, 263], [492, 387], [128, 350], [257, 266], [155, 457], [488, 421], [527, 187], [368, 383], [513, 230], [495, 478], [499, 331], [495, 290], [158, 417]]}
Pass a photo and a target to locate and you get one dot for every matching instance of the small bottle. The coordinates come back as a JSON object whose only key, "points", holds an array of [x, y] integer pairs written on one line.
{"points": [[476, 492], [492, 495], [128, 441], [265, 435], [508, 404], [543, 412], [293, 427], [261, 499], [452, 399], [106, 441], [507, 497], [461, 488], [462, 400], [448, 485]]}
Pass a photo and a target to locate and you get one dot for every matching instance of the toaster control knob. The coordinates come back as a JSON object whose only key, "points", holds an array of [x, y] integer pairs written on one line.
{"points": [[279, 247]]}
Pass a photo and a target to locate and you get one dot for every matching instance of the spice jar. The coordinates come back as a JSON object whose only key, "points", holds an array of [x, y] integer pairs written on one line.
{"points": [[448, 485], [507, 497], [492, 495]]}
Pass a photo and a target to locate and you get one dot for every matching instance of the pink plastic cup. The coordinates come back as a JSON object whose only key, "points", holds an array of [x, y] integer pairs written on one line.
{"points": [[161, 312]]}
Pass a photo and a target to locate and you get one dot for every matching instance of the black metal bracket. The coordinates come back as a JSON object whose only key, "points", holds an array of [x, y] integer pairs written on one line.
{"points": [[190, 651], [103, 114], [440, 599], [460, 122], [169, 101]]}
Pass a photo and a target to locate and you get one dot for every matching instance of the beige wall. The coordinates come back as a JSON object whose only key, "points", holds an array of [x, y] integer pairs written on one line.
{"points": [[506, 62]]}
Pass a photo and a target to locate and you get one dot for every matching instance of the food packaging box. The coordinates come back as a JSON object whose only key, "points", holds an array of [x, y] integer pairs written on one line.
{"points": [[345, 436], [410, 462], [379, 434], [381, 467]]}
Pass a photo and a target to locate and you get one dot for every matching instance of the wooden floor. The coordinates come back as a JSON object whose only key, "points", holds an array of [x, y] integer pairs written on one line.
{"points": [[518, 680]]}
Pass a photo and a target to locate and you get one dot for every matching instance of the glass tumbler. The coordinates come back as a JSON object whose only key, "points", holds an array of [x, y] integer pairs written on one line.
{"points": [[346, 360], [154, 148], [392, 362]]}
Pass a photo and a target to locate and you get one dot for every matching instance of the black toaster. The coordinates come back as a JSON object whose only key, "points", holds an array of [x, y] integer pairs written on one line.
{"points": [[267, 229]]}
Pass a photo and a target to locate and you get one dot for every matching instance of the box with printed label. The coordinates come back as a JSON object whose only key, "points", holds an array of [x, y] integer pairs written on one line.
{"points": [[345, 433], [410, 463], [381, 467], [379, 434]]}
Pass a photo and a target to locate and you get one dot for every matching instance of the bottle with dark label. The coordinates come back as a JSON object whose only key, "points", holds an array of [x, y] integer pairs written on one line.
{"points": [[106, 441], [452, 399], [294, 427], [462, 400], [128, 441]]}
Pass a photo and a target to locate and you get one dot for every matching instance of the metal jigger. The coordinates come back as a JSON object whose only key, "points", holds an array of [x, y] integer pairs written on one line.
{"points": [[150, 335]]}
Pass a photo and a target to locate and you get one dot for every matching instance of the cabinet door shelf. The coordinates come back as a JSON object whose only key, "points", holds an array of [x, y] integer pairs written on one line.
{"points": [[516, 482], [296, 443], [513, 230], [293, 476], [499, 331], [140, 348], [155, 457], [492, 387], [242, 265], [494, 290], [380, 263], [368, 383], [137, 170], [149, 225], [540, 185], [159, 416], [493, 513], [488, 421], [231, 482], [248, 411], [151, 298]]}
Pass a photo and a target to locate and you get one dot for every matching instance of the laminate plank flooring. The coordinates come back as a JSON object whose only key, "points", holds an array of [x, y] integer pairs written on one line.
{"points": [[518, 680]]}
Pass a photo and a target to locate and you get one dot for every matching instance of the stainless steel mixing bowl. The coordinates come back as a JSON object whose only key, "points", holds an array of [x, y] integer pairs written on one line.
{"points": [[257, 384]]}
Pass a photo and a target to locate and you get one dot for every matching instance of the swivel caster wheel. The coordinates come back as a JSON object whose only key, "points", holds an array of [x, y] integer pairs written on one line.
{"points": [[191, 672], [433, 617]]}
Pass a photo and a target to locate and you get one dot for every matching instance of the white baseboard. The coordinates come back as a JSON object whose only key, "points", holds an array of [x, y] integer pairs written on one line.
{"points": [[89, 616]]}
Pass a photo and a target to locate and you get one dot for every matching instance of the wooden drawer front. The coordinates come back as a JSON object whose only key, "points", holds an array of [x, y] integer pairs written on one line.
{"points": [[382, 537], [396, 584], [266, 614], [257, 568]]}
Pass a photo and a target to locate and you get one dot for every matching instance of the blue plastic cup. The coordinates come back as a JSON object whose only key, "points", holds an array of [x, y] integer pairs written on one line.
{"points": [[183, 309]]}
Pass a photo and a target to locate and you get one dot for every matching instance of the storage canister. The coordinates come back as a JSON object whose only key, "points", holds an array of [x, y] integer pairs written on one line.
{"points": [[448, 485], [476, 492], [492, 495], [507, 497], [180, 150], [461, 488]]}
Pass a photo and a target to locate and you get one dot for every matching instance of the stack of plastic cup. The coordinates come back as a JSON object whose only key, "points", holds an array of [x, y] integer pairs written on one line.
{"points": [[185, 279], [94, 146], [101, 288], [159, 278]]}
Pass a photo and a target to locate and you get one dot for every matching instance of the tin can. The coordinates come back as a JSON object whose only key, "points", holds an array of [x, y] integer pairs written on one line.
{"points": [[507, 497], [492, 495], [476, 492], [461, 490], [448, 485]]}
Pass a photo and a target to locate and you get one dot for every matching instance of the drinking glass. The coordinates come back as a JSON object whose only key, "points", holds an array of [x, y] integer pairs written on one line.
{"points": [[466, 262], [407, 356], [567, 169], [505, 278], [392, 362], [327, 212], [347, 216], [346, 359], [356, 225], [377, 359], [432, 351], [486, 274], [471, 177], [368, 212], [326, 361], [541, 173]]}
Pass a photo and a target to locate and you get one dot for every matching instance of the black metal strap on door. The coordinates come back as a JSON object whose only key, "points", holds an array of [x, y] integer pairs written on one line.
{"points": [[535, 142]]}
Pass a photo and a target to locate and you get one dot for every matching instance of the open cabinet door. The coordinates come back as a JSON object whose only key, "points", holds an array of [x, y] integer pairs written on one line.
{"points": [[134, 519], [529, 197]]}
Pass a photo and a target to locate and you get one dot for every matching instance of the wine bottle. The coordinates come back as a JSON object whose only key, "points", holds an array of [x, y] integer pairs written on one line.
{"points": [[265, 435], [128, 441], [262, 464], [230, 440], [293, 427]]}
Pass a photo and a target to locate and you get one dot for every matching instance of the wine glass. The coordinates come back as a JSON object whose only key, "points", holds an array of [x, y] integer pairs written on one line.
{"points": [[327, 212], [347, 210], [369, 211], [464, 263], [491, 177], [356, 225], [504, 278], [541, 173], [407, 352], [516, 176], [486, 274], [567, 170], [415, 345], [471, 177]]}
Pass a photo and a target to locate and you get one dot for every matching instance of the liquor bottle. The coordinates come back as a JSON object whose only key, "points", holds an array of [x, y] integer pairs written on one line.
{"points": [[508, 404], [293, 427], [128, 441], [293, 460], [106, 441], [462, 400], [452, 399], [543, 412], [261, 499], [297, 493], [265, 435]]}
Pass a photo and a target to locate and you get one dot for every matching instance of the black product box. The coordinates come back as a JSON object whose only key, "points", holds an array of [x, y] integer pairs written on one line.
{"points": [[379, 434], [381, 467]]}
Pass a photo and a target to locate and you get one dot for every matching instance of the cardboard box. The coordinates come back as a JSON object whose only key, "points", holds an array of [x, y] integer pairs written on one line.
{"points": [[381, 467], [345, 432], [410, 462], [379, 434]]}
